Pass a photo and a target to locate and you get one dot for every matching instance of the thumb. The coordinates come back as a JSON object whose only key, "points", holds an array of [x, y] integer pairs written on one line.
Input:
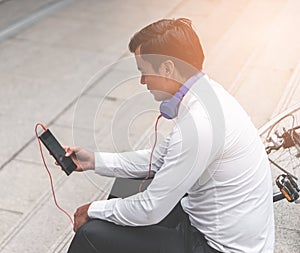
{"points": [[71, 150]]}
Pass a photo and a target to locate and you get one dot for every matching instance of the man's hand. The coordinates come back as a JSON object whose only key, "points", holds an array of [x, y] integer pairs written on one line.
{"points": [[81, 216], [85, 160]]}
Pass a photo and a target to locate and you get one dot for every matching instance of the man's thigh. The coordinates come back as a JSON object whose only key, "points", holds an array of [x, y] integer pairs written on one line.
{"points": [[105, 237]]}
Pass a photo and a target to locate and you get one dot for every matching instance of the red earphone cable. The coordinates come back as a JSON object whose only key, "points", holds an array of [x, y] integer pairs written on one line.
{"points": [[151, 155], [49, 173], [50, 176]]}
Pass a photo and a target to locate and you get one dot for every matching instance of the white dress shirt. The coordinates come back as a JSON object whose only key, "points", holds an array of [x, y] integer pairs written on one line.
{"points": [[218, 160]]}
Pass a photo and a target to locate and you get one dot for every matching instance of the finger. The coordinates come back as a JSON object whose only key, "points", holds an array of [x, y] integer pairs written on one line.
{"points": [[68, 150], [71, 150]]}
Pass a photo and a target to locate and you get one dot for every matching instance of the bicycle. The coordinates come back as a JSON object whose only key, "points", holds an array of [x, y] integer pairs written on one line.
{"points": [[281, 137]]}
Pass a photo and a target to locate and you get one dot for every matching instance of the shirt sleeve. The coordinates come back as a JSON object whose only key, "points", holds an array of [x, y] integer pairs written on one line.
{"points": [[186, 155], [134, 164]]}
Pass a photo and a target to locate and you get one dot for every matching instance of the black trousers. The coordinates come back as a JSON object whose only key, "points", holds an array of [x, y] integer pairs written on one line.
{"points": [[173, 235]]}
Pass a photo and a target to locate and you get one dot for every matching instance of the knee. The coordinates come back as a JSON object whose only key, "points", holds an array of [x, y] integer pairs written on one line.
{"points": [[91, 228], [83, 240], [90, 231]]}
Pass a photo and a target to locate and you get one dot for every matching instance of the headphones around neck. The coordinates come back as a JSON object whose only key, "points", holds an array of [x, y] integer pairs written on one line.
{"points": [[169, 108]]}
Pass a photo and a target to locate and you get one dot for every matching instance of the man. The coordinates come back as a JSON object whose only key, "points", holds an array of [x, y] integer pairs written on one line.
{"points": [[211, 190]]}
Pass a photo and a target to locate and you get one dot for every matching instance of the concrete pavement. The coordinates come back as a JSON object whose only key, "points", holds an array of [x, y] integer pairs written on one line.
{"points": [[71, 70]]}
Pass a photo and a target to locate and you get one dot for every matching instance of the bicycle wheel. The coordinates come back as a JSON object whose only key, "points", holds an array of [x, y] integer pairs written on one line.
{"points": [[281, 137]]}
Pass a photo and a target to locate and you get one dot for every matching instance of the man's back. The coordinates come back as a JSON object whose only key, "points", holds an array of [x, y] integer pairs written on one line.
{"points": [[231, 203]]}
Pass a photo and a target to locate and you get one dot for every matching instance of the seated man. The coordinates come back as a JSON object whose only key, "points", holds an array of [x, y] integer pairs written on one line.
{"points": [[211, 190]]}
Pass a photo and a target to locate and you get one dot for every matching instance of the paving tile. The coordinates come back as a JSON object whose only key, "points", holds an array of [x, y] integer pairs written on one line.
{"points": [[38, 98], [56, 64], [93, 111], [47, 216], [52, 30], [249, 39], [206, 19], [8, 219], [122, 80], [86, 29], [22, 184], [287, 240], [15, 134], [98, 11], [84, 113], [287, 215], [25, 98], [260, 79], [19, 10]]}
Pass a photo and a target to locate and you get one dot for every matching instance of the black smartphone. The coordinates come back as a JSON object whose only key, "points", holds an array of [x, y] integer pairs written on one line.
{"points": [[57, 151]]}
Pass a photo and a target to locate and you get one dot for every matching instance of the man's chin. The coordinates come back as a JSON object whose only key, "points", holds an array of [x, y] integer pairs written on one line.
{"points": [[159, 96]]}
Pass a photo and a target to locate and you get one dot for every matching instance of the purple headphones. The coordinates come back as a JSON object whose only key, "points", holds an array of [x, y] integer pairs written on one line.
{"points": [[169, 108]]}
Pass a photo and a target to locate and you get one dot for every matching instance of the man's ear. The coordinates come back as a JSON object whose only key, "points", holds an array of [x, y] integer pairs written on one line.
{"points": [[167, 68]]}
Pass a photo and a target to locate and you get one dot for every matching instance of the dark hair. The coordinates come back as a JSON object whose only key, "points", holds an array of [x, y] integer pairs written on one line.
{"points": [[169, 37]]}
